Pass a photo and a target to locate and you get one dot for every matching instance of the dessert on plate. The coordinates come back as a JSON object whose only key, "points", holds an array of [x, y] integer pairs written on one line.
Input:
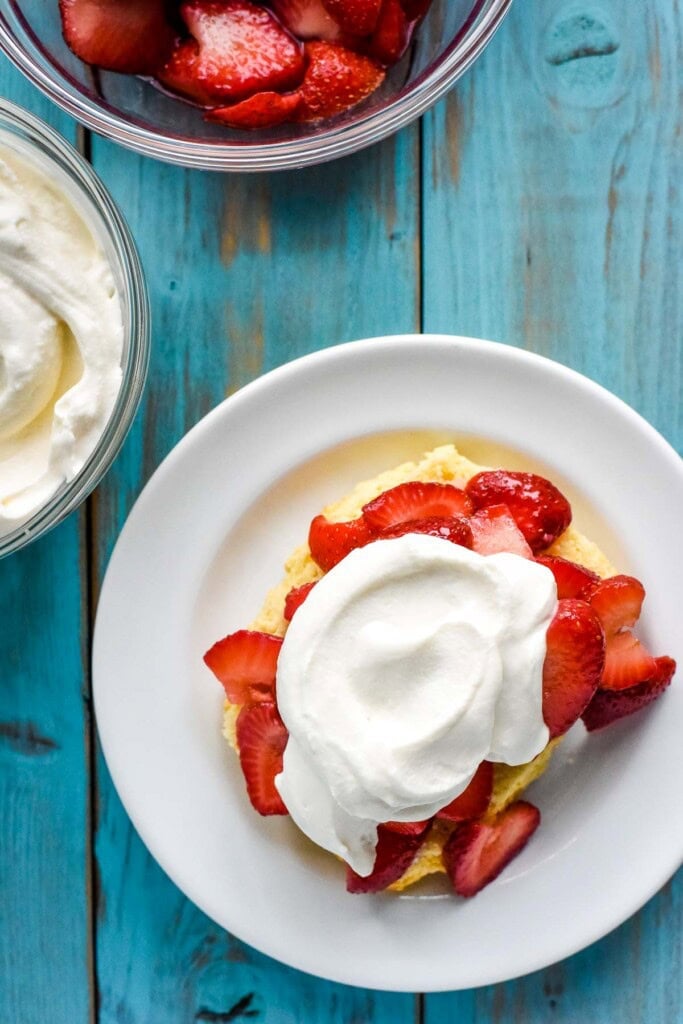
{"points": [[249, 65], [425, 653]]}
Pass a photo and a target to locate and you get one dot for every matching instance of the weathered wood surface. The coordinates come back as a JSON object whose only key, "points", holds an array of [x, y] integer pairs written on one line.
{"points": [[539, 205]]}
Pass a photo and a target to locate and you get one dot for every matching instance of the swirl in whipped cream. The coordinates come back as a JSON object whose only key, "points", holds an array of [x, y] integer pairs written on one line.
{"points": [[61, 337], [410, 663]]}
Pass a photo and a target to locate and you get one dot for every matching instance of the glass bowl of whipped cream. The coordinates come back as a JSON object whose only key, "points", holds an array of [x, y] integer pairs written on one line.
{"points": [[74, 329]]}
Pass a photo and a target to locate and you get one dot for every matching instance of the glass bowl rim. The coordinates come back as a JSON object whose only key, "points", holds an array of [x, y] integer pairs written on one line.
{"points": [[136, 315], [327, 145]]}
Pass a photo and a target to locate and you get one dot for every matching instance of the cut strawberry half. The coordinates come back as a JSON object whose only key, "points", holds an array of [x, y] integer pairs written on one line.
{"points": [[627, 662], [262, 110], [395, 853], [494, 530], [572, 580], [262, 738], [455, 529], [416, 500], [617, 602], [359, 17], [477, 852], [407, 828], [609, 706], [330, 542], [295, 598], [392, 35], [540, 510], [336, 80], [238, 48], [472, 803], [131, 36], [245, 663], [574, 661], [307, 19]]}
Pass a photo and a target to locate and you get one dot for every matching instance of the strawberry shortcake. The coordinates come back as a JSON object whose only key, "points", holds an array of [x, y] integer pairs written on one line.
{"points": [[410, 677]]}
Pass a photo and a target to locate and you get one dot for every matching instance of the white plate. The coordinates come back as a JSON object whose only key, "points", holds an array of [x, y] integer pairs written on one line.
{"points": [[207, 538]]}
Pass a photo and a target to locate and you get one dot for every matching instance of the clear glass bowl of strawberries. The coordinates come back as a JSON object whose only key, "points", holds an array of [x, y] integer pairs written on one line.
{"points": [[246, 85]]}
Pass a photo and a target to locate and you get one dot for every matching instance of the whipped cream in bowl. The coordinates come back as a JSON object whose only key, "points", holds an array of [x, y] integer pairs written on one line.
{"points": [[410, 663], [74, 329]]}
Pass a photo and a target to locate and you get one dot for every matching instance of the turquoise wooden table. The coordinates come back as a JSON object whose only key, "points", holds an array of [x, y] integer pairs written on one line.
{"points": [[539, 205]]}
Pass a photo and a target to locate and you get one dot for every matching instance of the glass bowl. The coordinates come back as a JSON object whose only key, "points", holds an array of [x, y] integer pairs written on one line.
{"points": [[36, 142], [138, 115]]}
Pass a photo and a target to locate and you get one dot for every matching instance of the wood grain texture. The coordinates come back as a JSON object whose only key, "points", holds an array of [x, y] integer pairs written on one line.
{"points": [[243, 276], [44, 833], [553, 220]]}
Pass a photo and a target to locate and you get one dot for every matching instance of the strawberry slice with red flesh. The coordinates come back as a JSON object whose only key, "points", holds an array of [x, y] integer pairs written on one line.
{"points": [[494, 530], [477, 852], [455, 529], [295, 598], [407, 828], [395, 853], [262, 738], [574, 661], [471, 803], [131, 36], [609, 706], [572, 580], [540, 510], [617, 602], [307, 19], [262, 110], [392, 35], [416, 500], [237, 49], [330, 542], [245, 663], [359, 17], [336, 80]]}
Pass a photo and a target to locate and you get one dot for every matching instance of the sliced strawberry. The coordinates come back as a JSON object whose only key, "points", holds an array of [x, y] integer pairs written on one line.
{"points": [[407, 828], [238, 48], [262, 738], [494, 530], [359, 17], [572, 580], [574, 661], [132, 36], [539, 509], [395, 853], [473, 802], [330, 542], [416, 9], [295, 598], [392, 35], [307, 19], [627, 662], [336, 80], [476, 852], [416, 500], [456, 529], [245, 663], [617, 602], [608, 706], [262, 110]]}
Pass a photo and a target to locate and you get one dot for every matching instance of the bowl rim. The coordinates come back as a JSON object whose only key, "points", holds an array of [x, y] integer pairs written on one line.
{"points": [[327, 145], [136, 317]]}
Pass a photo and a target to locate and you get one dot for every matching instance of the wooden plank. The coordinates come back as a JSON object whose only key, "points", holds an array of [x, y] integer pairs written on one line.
{"points": [[44, 850], [245, 273], [553, 221]]}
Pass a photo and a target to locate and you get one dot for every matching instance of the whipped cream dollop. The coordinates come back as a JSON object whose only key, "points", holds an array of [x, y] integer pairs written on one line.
{"points": [[409, 663], [61, 338]]}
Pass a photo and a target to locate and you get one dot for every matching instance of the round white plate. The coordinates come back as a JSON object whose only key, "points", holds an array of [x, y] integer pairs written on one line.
{"points": [[208, 537]]}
